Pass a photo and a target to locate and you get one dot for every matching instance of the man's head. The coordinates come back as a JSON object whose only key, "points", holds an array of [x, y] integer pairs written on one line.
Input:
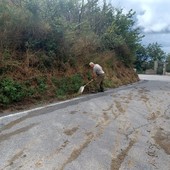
{"points": [[91, 64]]}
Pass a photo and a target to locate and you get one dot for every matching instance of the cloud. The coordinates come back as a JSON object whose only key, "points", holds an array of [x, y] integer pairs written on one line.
{"points": [[152, 15]]}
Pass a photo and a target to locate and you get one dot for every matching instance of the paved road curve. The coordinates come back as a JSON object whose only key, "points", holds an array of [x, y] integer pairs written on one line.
{"points": [[122, 129]]}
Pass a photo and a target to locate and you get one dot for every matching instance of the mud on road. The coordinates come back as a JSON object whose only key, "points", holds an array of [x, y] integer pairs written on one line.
{"points": [[121, 129]]}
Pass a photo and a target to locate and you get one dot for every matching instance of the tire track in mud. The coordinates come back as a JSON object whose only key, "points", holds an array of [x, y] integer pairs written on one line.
{"points": [[131, 136], [160, 136], [68, 132], [58, 150], [121, 109], [120, 106], [153, 112], [90, 136], [7, 136], [13, 123], [111, 109], [77, 151], [104, 122], [116, 163], [17, 121], [125, 100], [20, 156], [15, 157]]}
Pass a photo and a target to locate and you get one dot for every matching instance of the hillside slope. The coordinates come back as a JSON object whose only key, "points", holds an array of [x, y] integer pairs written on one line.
{"points": [[24, 86]]}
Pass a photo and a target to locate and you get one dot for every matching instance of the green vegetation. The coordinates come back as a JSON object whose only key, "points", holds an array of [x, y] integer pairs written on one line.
{"points": [[67, 85], [168, 63], [45, 47], [11, 91], [147, 55]]}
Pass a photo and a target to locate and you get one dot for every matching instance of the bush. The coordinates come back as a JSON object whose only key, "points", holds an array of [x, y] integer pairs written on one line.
{"points": [[67, 85], [11, 91], [42, 85]]}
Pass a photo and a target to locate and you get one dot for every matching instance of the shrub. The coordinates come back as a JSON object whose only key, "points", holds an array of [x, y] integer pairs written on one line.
{"points": [[11, 91], [67, 85], [42, 85]]}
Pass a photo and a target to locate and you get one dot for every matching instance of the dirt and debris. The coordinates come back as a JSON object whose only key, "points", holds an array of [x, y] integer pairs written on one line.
{"points": [[162, 138]]}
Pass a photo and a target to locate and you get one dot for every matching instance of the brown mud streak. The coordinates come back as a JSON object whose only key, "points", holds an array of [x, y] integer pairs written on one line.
{"points": [[116, 163], [76, 152], [24, 129], [105, 116], [102, 124], [163, 140], [90, 136], [70, 132], [58, 150], [109, 108], [15, 122], [14, 158], [119, 107]]}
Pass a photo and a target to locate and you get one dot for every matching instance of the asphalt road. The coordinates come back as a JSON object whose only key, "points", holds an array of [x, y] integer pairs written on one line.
{"points": [[127, 128]]}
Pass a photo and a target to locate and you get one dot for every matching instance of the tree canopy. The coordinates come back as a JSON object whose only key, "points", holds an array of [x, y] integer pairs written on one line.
{"points": [[56, 27]]}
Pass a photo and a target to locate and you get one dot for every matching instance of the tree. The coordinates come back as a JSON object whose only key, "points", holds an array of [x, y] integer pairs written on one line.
{"points": [[141, 59], [54, 27], [150, 57], [122, 36], [155, 52], [168, 62]]}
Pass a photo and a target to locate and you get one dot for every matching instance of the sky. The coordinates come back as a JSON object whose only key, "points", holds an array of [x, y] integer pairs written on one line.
{"points": [[152, 15]]}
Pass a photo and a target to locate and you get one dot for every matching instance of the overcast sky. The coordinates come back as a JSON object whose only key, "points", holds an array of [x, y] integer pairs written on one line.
{"points": [[152, 15]]}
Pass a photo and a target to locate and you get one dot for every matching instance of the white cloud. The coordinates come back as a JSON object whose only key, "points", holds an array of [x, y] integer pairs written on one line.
{"points": [[152, 15]]}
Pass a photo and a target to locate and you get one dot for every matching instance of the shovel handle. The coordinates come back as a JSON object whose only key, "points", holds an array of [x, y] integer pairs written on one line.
{"points": [[88, 82]]}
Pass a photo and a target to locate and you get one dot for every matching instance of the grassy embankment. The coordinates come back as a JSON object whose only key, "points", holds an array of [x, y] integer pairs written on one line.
{"points": [[23, 85]]}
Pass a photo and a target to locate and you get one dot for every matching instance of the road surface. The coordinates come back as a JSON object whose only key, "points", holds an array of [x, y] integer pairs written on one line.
{"points": [[127, 128]]}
